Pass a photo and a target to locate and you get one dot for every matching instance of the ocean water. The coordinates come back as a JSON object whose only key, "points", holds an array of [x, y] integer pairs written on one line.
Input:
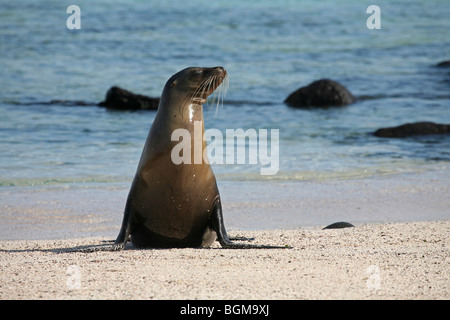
{"points": [[53, 134]]}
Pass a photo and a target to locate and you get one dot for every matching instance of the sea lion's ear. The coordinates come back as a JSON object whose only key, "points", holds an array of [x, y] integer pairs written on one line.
{"points": [[173, 84]]}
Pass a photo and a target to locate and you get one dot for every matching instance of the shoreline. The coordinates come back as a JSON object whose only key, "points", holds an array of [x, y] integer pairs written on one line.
{"points": [[60, 212], [370, 261]]}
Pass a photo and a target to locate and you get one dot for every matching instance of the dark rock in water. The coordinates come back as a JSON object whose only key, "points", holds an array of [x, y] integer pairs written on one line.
{"points": [[413, 129], [320, 93], [339, 225], [121, 99], [445, 64]]}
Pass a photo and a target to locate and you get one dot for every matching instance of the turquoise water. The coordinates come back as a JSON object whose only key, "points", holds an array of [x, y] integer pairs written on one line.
{"points": [[269, 48]]}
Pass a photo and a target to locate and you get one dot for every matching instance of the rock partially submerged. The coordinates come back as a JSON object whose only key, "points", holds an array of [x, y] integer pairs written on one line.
{"points": [[339, 225], [320, 93], [413, 129], [444, 64], [121, 99]]}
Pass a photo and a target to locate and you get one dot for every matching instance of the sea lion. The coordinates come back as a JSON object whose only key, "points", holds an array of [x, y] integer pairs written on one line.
{"points": [[176, 205]]}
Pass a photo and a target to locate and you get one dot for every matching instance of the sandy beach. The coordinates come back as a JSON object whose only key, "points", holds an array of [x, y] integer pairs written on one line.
{"points": [[370, 261]]}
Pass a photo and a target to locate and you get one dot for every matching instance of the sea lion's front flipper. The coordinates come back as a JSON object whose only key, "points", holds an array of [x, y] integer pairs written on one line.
{"points": [[125, 230], [219, 227]]}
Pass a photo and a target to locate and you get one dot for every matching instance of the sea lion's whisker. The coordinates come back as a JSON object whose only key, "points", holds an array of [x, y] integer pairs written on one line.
{"points": [[207, 86], [210, 82], [217, 96], [214, 88], [216, 85], [221, 92], [198, 93], [201, 86], [216, 93]]}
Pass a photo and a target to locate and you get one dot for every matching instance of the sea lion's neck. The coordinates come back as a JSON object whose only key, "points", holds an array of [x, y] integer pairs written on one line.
{"points": [[180, 114]]}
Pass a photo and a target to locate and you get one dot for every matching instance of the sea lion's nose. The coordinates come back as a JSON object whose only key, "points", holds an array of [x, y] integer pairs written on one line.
{"points": [[222, 71]]}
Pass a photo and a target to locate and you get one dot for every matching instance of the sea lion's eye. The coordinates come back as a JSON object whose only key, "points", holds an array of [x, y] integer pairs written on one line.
{"points": [[198, 72]]}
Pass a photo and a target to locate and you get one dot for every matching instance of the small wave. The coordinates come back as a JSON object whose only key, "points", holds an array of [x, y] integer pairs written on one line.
{"points": [[419, 95], [65, 103], [249, 102], [23, 182], [286, 176]]}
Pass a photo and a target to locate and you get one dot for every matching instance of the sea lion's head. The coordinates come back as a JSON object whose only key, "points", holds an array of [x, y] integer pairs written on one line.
{"points": [[194, 84]]}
